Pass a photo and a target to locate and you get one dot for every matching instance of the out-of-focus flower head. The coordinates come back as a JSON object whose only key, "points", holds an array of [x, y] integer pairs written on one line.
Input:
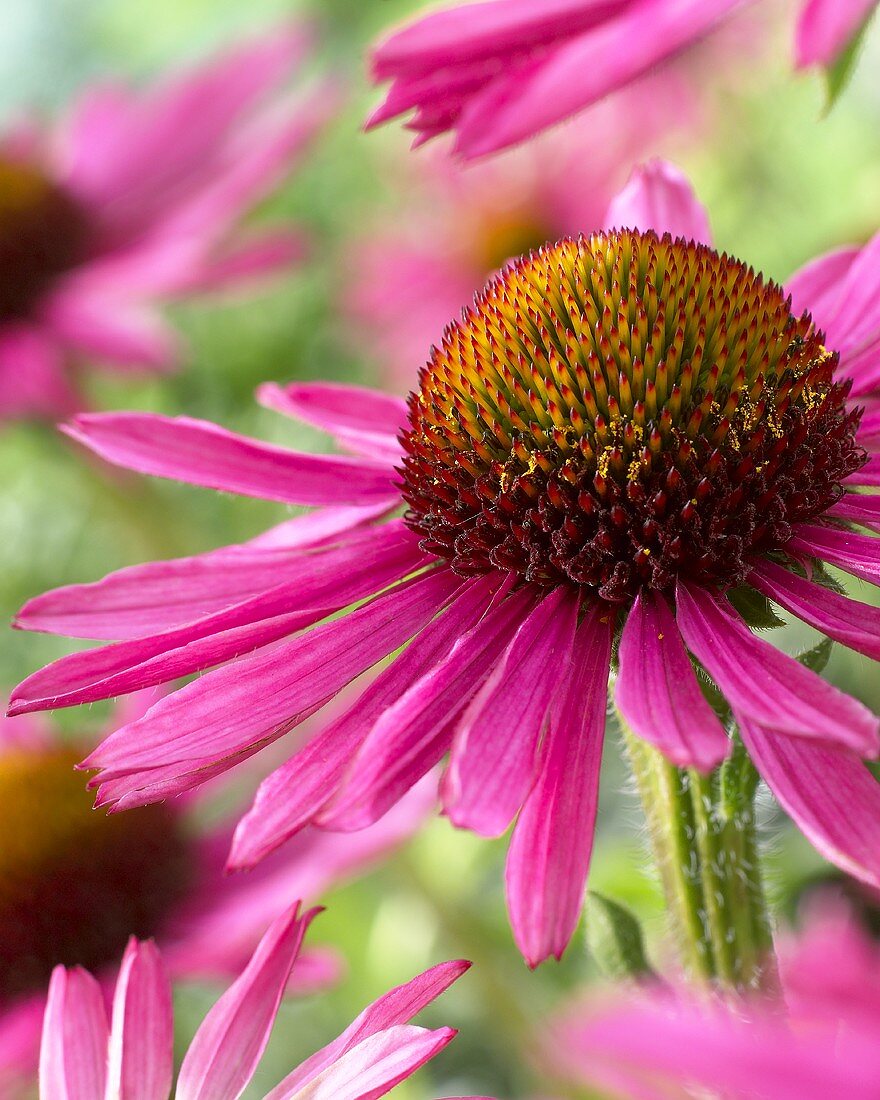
{"points": [[75, 883], [495, 72], [463, 223], [134, 198], [82, 1058], [627, 436], [815, 1039]]}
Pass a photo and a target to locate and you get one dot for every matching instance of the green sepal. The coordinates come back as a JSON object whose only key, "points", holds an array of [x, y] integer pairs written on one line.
{"points": [[614, 938], [816, 658], [839, 73]]}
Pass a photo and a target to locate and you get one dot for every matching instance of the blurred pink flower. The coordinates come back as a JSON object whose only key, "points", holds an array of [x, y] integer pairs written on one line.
{"points": [[501, 71], [459, 225], [816, 1040], [496, 72], [75, 883], [134, 199], [826, 27], [82, 1058]]}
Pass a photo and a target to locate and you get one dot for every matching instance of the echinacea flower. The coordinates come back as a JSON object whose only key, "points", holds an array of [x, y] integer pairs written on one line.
{"points": [[75, 883], [625, 433], [134, 199], [82, 1058], [815, 1040], [496, 72], [418, 267]]}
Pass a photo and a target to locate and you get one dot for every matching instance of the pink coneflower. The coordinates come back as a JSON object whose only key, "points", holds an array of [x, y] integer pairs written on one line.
{"points": [[497, 72], [814, 1041], [624, 435], [75, 883], [134, 199], [82, 1058], [461, 224]]}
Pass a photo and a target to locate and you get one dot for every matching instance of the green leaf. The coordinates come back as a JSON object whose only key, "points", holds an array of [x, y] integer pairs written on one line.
{"points": [[840, 72], [755, 608], [816, 658], [614, 938]]}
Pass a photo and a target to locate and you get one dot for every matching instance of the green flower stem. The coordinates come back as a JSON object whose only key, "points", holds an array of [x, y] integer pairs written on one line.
{"points": [[702, 832]]}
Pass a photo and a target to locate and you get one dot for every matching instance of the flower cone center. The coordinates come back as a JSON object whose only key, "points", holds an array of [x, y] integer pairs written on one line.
{"points": [[43, 233], [75, 883], [623, 410]]}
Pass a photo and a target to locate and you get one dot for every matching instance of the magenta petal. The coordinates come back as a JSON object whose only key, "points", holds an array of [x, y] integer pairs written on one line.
{"points": [[73, 1052], [202, 453], [765, 684], [494, 755], [230, 1041], [816, 287], [414, 733], [549, 854], [394, 1008], [366, 421], [850, 622], [375, 1066], [657, 691], [142, 1037], [853, 553], [145, 662], [237, 710], [146, 599], [296, 792], [826, 27], [829, 793], [858, 508], [867, 474], [659, 196]]}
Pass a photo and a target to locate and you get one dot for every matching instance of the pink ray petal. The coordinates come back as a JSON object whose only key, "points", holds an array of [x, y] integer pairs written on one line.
{"points": [[858, 508], [141, 1051], [201, 453], [765, 684], [853, 553], [657, 691], [494, 755], [850, 622], [549, 854], [825, 28], [659, 196], [828, 792], [73, 1052], [230, 1041]]}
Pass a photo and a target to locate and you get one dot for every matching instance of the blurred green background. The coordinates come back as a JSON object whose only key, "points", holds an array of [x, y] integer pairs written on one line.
{"points": [[783, 180]]}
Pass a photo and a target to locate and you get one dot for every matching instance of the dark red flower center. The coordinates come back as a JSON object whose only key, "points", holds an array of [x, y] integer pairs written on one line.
{"points": [[621, 411], [43, 233], [75, 883]]}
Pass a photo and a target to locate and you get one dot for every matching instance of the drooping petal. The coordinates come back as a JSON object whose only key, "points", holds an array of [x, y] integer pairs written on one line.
{"points": [[659, 196], [142, 1036], [657, 691], [73, 1051], [110, 331], [853, 553], [850, 622], [825, 28], [829, 793], [523, 101], [549, 854], [366, 421], [230, 1041], [202, 453], [33, 381], [394, 1008], [858, 508], [373, 1067], [296, 792], [146, 599], [232, 713], [494, 755], [414, 732], [765, 684]]}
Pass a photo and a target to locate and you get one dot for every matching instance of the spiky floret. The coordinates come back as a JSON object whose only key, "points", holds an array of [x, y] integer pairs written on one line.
{"points": [[74, 882], [43, 233], [622, 410]]}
